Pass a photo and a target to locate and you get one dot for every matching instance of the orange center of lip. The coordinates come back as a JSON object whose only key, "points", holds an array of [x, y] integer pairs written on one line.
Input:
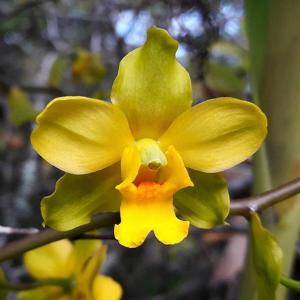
{"points": [[148, 190]]}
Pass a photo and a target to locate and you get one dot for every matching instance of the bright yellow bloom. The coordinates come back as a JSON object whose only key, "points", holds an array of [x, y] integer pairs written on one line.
{"points": [[152, 129], [78, 262]]}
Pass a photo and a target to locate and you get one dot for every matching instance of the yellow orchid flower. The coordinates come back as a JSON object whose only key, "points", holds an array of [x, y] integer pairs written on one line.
{"points": [[78, 262], [170, 153]]}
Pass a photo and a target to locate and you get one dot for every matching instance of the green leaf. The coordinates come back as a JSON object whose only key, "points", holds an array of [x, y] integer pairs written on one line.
{"points": [[20, 107], [267, 258], [3, 292], [206, 204], [225, 79], [234, 55], [152, 88], [57, 71], [78, 197]]}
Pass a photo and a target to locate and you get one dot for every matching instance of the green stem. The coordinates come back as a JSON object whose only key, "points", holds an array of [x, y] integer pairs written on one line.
{"points": [[66, 283], [290, 283], [49, 235]]}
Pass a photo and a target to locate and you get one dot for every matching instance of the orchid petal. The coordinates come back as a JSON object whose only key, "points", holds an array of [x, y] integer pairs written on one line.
{"points": [[217, 134], [81, 135]]}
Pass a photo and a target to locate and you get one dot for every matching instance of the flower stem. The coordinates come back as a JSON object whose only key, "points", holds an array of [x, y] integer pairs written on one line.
{"points": [[290, 283], [65, 283], [243, 207]]}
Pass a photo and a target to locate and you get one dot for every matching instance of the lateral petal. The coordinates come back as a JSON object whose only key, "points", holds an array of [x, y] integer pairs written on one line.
{"points": [[217, 134], [81, 135]]}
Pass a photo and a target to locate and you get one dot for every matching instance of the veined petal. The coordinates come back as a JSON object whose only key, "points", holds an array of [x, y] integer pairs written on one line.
{"points": [[92, 265], [81, 135], [77, 197], [206, 204], [88, 273], [50, 260], [106, 288], [217, 134], [149, 206], [152, 88], [83, 250]]}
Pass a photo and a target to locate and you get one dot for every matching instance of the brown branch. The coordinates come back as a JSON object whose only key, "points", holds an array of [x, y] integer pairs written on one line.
{"points": [[243, 207], [49, 235], [86, 236]]}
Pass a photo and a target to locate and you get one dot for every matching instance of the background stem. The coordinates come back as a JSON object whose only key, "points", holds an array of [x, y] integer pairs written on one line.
{"points": [[241, 207], [49, 235]]}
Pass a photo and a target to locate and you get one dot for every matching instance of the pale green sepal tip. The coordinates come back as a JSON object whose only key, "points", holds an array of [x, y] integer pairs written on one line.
{"points": [[267, 258], [151, 87], [160, 38], [206, 204]]}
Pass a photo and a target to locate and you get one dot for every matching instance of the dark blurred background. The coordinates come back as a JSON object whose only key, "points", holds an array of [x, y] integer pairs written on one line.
{"points": [[62, 47]]}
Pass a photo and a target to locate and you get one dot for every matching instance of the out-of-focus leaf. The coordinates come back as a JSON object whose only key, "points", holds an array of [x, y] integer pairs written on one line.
{"points": [[206, 204], [57, 71], [267, 258], [88, 67], [235, 55], [21, 109], [3, 292], [225, 79], [101, 94]]}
